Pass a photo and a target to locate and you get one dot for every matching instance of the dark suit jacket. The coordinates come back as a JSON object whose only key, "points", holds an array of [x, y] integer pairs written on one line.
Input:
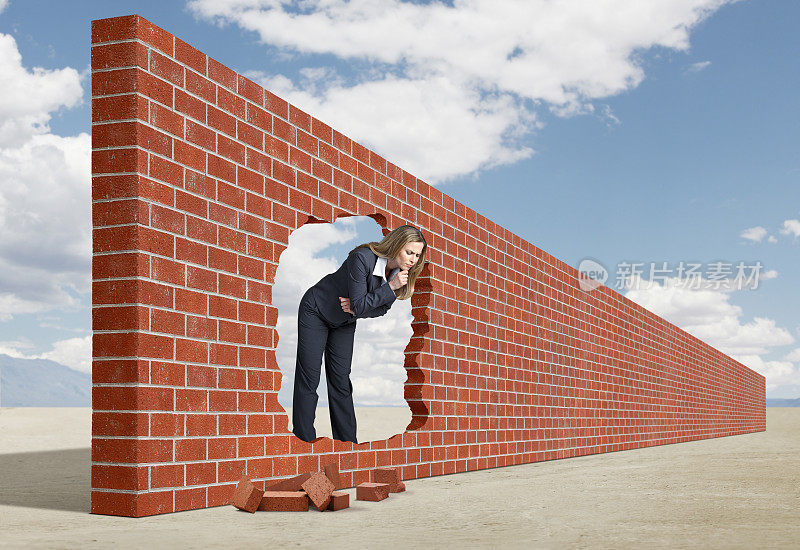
{"points": [[370, 295]]}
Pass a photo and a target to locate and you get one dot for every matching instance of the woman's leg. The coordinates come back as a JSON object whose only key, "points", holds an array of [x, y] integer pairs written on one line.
{"points": [[338, 357], [312, 334]]}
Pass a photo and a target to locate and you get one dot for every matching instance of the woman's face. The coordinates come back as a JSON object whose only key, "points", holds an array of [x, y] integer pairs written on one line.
{"points": [[408, 255]]}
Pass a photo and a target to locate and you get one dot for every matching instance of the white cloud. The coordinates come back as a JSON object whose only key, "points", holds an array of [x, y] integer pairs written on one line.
{"points": [[45, 198], [791, 227], [772, 239], [377, 370], [30, 97], [771, 274], [477, 70], [45, 209], [708, 315], [794, 355], [417, 119], [777, 373], [717, 277], [3, 4], [75, 353], [755, 234], [697, 67]]}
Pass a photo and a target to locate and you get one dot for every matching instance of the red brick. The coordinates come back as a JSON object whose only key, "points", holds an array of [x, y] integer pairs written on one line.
{"points": [[190, 449], [190, 56], [201, 87], [222, 74], [119, 424], [230, 149], [114, 28], [166, 119], [190, 105], [339, 501], [299, 118], [332, 471], [247, 496], [390, 476], [190, 156], [125, 478], [123, 54], [319, 489], [291, 484], [221, 121], [120, 318], [284, 501], [119, 107], [275, 104], [231, 103], [166, 476], [201, 136], [201, 424], [190, 499], [166, 68], [372, 491], [250, 90], [201, 473], [154, 35]]}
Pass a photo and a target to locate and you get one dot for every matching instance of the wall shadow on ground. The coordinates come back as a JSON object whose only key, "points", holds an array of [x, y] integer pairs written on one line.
{"points": [[51, 480]]}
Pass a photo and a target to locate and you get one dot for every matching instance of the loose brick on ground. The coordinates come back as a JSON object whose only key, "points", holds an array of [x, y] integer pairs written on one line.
{"points": [[319, 489], [392, 476], [284, 501], [372, 491], [339, 501], [246, 496], [332, 471], [291, 484]]}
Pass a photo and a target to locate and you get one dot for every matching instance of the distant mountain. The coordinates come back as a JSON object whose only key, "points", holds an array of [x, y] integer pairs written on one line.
{"points": [[783, 402], [42, 383]]}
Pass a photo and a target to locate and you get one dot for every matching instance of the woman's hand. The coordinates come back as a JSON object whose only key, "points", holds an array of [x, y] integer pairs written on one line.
{"points": [[345, 304], [399, 280]]}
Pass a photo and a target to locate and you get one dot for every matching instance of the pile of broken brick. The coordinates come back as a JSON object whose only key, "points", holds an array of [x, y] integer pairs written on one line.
{"points": [[321, 488]]}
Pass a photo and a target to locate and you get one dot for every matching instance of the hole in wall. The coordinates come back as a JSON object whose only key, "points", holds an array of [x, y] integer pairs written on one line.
{"points": [[377, 371]]}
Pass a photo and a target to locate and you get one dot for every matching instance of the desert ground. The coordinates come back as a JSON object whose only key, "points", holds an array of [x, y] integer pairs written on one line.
{"points": [[730, 492]]}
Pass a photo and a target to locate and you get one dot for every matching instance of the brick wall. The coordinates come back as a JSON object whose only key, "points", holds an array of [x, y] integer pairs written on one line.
{"points": [[199, 175]]}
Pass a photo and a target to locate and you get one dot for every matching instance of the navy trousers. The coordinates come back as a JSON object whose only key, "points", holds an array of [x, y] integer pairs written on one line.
{"points": [[315, 336]]}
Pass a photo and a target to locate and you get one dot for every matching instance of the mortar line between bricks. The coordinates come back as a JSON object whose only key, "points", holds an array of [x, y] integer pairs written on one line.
{"points": [[116, 120], [123, 41], [116, 147], [106, 174], [107, 96]]}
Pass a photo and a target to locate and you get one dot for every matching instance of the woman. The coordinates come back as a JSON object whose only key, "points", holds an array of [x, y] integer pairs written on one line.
{"points": [[372, 277]]}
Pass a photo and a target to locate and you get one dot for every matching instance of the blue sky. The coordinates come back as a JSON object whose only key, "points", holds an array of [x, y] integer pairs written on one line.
{"points": [[659, 133]]}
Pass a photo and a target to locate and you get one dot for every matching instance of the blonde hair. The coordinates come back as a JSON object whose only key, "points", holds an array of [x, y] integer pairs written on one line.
{"points": [[391, 245]]}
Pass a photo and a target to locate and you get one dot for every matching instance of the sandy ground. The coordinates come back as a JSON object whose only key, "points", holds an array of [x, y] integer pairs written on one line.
{"points": [[730, 492]]}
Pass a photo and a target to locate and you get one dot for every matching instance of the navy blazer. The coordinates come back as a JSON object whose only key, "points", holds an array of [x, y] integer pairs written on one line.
{"points": [[369, 292]]}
